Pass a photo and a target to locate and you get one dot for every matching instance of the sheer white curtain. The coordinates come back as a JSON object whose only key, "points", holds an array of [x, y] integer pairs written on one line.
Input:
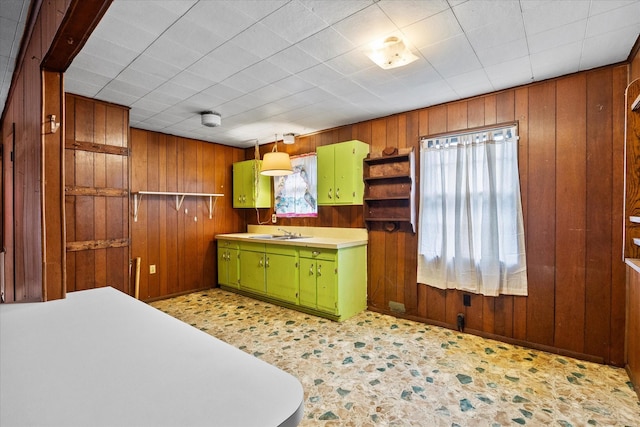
{"points": [[471, 233]]}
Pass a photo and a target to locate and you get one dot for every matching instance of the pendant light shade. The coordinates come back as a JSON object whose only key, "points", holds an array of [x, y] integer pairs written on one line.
{"points": [[276, 163]]}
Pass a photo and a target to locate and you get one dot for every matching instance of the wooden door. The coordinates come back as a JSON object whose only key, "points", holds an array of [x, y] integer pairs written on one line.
{"points": [[97, 195]]}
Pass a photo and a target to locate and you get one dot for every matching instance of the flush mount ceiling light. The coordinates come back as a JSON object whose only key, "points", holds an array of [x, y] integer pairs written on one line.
{"points": [[210, 119], [391, 53], [289, 138], [276, 163]]}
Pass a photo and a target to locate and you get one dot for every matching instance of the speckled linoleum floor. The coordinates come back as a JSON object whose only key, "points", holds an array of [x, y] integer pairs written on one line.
{"points": [[378, 370]]}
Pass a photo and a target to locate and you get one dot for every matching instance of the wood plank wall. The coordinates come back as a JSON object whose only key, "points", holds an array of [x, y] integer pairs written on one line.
{"points": [[180, 243], [96, 198], [571, 164], [22, 181]]}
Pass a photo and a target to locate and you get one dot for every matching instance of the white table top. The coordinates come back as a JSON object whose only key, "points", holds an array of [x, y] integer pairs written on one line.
{"points": [[102, 358]]}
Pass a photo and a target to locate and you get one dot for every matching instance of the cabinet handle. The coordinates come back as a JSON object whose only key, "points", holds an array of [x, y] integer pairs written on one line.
{"points": [[261, 263], [315, 253], [329, 194], [319, 270], [337, 193], [267, 263], [311, 270]]}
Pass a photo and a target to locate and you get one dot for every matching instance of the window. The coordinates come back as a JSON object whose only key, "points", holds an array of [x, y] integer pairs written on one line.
{"points": [[296, 194], [470, 225]]}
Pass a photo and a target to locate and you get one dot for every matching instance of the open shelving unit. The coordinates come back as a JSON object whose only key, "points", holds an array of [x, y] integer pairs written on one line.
{"points": [[389, 193], [137, 199]]}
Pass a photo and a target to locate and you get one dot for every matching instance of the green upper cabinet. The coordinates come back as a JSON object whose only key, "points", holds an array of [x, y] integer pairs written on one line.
{"points": [[250, 189], [340, 173]]}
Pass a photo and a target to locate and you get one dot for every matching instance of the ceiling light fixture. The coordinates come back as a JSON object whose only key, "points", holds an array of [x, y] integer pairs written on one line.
{"points": [[210, 119], [276, 163], [289, 138], [391, 53]]}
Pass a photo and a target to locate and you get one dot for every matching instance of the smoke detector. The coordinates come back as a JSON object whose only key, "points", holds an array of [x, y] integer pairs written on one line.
{"points": [[210, 119]]}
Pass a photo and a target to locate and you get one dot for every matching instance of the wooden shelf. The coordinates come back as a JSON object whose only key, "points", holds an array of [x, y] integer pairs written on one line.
{"points": [[635, 219], [389, 195], [137, 199]]}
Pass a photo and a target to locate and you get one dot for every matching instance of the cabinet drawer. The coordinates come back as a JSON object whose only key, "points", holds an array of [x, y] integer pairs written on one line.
{"points": [[228, 244], [252, 246], [318, 253], [282, 250]]}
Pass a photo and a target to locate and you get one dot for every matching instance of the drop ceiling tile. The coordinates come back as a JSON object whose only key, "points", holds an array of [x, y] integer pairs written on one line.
{"points": [[545, 63], [191, 81], [293, 59], [229, 21], [234, 56], [350, 62], [171, 52], [555, 37], [126, 87], [270, 93], [194, 36], [87, 88], [320, 75], [153, 20], [611, 47], [224, 91], [452, 57], [103, 48], [140, 79], [260, 41], [243, 82], [209, 69], [411, 11], [503, 53], [97, 65], [150, 105], [325, 45], [258, 9], [477, 14], [293, 84], [335, 11], [123, 33], [116, 97], [544, 15], [510, 73], [294, 22], [178, 91], [378, 26], [266, 72], [601, 6], [433, 30], [622, 16], [493, 36], [7, 32], [151, 66]]}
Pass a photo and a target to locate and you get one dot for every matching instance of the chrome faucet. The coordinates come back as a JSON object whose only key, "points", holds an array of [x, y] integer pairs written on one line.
{"points": [[287, 233]]}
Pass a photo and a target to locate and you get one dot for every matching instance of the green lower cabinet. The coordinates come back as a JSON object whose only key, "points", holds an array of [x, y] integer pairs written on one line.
{"points": [[252, 274], [318, 285], [326, 282], [282, 273], [228, 263]]}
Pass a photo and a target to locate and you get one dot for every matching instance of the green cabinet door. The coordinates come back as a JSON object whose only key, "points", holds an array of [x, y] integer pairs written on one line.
{"points": [[326, 164], [326, 285], [250, 189], [282, 277], [340, 173], [252, 276], [308, 290], [228, 264]]}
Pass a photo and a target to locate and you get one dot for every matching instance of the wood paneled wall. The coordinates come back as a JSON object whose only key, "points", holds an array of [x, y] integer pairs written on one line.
{"points": [[22, 135], [571, 163], [180, 243], [97, 194]]}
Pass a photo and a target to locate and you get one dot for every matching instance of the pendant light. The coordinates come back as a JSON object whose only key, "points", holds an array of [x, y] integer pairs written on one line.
{"points": [[276, 163]]}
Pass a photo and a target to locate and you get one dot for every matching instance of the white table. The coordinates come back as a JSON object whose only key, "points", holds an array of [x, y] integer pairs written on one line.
{"points": [[102, 358]]}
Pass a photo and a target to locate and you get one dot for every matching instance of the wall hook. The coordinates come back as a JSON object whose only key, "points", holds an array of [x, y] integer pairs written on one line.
{"points": [[52, 123]]}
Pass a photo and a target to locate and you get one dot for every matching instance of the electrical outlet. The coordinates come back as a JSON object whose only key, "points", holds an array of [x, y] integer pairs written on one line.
{"points": [[152, 269], [274, 218]]}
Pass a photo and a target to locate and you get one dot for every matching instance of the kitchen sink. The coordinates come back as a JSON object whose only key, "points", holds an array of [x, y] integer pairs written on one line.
{"points": [[278, 237]]}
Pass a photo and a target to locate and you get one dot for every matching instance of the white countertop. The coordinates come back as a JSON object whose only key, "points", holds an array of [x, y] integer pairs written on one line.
{"points": [[102, 358], [318, 237]]}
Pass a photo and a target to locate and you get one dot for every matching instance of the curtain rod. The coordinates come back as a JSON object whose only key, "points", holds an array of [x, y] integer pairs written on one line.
{"points": [[470, 131]]}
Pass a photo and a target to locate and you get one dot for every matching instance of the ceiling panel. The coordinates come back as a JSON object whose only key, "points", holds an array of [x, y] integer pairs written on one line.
{"points": [[276, 66]]}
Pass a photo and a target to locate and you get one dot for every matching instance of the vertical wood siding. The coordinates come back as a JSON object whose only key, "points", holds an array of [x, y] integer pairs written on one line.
{"points": [[571, 171], [180, 243]]}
